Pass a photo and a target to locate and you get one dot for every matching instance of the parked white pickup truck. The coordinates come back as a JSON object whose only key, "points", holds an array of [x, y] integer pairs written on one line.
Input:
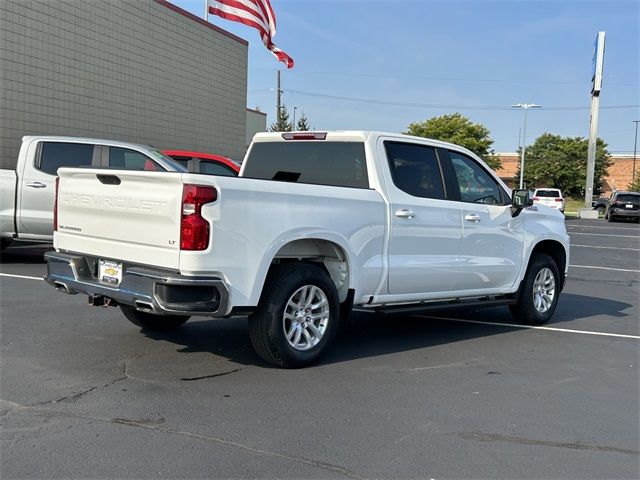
{"points": [[316, 223], [26, 193]]}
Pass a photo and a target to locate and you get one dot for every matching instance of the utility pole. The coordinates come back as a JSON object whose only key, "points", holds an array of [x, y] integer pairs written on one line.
{"points": [[635, 144], [294, 117], [278, 96], [525, 107]]}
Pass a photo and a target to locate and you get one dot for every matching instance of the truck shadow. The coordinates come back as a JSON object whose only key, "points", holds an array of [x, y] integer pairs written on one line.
{"points": [[370, 334], [24, 253]]}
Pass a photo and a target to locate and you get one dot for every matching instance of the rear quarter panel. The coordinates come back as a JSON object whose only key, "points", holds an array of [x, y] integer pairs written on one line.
{"points": [[253, 219]]}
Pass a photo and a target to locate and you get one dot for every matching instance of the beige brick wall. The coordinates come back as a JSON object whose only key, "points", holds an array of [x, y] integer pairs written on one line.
{"points": [[133, 70]]}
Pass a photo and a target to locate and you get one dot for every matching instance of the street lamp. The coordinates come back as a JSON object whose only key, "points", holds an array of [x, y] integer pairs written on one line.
{"points": [[294, 117], [525, 107], [635, 144]]}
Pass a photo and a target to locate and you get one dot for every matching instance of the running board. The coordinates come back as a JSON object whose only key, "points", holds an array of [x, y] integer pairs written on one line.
{"points": [[450, 305]]}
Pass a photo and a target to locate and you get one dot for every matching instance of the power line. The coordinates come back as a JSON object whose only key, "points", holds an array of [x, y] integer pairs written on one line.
{"points": [[444, 106], [454, 79]]}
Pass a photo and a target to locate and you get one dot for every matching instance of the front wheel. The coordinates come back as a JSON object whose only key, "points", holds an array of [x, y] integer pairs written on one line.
{"points": [[297, 317], [151, 321], [540, 291], [610, 218]]}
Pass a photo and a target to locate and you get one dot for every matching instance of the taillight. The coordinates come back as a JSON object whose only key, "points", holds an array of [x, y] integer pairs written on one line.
{"points": [[194, 230], [558, 199], [536, 198], [55, 206]]}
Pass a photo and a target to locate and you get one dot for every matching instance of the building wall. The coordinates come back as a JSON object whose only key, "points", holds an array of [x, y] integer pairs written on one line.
{"points": [[256, 122], [133, 70], [619, 177]]}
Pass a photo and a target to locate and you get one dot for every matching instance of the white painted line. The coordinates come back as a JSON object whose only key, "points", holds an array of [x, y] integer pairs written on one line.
{"points": [[605, 268], [534, 327], [605, 235], [610, 248], [600, 226], [20, 276]]}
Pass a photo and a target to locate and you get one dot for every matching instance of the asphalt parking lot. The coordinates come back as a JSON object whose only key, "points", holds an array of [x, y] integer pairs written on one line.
{"points": [[468, 394]]}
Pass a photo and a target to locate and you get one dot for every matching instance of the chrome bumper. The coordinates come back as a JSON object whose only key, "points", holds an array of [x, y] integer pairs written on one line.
{"points": [[152, 290]]}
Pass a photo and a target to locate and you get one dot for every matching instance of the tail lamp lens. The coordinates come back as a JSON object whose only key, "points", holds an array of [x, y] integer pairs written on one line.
{"points": [[55, 206], [194, 229]]}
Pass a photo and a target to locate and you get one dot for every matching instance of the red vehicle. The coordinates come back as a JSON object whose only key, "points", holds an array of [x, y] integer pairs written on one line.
{"points": [[198, 162]]}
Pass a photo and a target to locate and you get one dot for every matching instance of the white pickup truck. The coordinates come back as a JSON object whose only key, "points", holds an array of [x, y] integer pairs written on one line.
{"points": [[26, 193], [315, 224]]}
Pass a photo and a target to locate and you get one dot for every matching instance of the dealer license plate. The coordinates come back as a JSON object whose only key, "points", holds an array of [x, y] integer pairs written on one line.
{"points": [[110, 272]]}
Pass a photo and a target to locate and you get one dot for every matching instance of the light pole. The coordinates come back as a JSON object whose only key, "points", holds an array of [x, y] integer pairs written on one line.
{"points": [[525, 107], [635, 144], [294, 117]]}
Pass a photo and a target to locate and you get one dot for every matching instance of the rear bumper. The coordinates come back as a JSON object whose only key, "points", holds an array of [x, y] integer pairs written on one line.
{"points": [[153, 290], [621, 212]]}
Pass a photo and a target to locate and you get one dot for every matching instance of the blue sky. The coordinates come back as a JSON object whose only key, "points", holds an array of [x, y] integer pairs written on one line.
{"points": [[380, 65]]}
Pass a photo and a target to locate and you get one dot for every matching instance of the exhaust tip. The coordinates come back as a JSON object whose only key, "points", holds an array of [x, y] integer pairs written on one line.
{"points": [[61, 287], [144, 306]]}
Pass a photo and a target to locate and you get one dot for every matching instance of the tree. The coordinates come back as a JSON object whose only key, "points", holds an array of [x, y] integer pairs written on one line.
{"points": [[282, 123], [458, 129], [634, 186], [561, 162], [303, 123]]}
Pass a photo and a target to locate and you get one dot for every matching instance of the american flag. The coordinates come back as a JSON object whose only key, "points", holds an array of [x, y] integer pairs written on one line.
{"points": [[255, 13]]}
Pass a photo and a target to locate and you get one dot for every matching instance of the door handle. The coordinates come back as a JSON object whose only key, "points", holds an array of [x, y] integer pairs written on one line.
{"points": [[472, 217], [404, 213], [36, 185]]}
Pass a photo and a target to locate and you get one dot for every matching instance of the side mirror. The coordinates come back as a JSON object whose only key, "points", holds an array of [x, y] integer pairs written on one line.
{"points": [[593, 203], [520, 199]]}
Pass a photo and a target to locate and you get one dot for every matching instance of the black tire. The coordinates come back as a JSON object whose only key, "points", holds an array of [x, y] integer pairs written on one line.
{"points": [[267, 324], [525, 310], [610, 218], [4, 243], [151, 321]]}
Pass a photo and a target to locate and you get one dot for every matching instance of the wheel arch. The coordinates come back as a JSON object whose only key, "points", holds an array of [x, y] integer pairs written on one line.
{"points": [[556, 251], [329, 254]]}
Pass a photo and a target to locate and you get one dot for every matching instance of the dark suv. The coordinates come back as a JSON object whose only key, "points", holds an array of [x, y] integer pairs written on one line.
{"points": [[623, 205]]}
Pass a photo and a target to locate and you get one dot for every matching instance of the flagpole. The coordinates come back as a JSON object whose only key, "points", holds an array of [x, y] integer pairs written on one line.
{"points": [[206, 10]]}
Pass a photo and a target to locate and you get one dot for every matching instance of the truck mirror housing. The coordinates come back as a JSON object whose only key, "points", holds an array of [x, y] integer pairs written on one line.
{"points": [[520, 199]]}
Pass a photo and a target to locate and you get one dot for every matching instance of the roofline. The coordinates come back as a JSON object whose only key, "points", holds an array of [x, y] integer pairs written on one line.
{"points": [[201, 21], [95, 141], [256, 111]]}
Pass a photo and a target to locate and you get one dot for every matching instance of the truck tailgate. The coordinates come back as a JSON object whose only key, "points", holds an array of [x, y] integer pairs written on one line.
{"points": [[123, 215]]}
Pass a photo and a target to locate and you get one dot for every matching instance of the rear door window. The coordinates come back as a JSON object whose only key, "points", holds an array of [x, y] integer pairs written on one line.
{"points": [[127, 159], [54, 155], [341, 164], [415, 169]]}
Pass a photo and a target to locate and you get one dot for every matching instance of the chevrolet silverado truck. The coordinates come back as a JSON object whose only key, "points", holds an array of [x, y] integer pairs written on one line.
{"points": [[316, 223], [27, 193]]}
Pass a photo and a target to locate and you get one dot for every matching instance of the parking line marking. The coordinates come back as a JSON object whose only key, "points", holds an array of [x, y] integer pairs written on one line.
{"points": [[20, 276], [605, 268], [610, 248], [605, 235], [601, 226], [534, 327]]}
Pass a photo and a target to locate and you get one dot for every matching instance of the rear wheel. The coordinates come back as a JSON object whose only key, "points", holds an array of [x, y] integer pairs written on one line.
{"points": [[151, 321], [297, 316], [540, 291]]}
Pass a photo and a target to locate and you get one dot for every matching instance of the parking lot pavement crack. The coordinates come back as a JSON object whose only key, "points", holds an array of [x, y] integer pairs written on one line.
{"points": [[208, 438], [496, 437], [213, 375]]}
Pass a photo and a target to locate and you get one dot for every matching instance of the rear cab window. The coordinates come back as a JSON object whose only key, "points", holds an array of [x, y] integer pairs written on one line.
{"points": [[341, 164], [54, 155], [548, 193], [127, 159]]}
